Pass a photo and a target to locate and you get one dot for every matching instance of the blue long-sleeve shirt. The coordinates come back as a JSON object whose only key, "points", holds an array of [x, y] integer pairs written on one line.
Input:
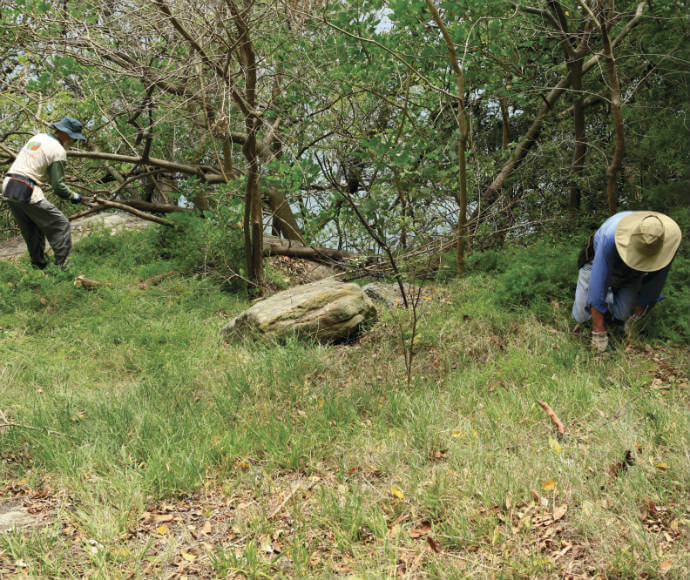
{"points": [[609, 270]]}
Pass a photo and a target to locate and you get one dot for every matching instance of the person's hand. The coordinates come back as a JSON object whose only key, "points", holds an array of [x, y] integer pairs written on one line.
{"points": [[632, 324], [600, 341], [76, 198]]}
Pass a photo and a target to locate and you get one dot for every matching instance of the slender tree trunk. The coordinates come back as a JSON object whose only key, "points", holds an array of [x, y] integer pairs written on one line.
{"points": [[616, 114], [580, 151], [253, 218], [463, 125], [505, 123]]}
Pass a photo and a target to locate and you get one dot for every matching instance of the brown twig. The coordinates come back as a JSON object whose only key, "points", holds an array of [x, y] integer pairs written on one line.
{"points": [[293, 491], [30, 427], [136, 212], [144, 285], [554, 417]]}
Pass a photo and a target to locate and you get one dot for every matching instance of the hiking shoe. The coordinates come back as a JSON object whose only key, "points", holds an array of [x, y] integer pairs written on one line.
{"points": [[66, 266]]}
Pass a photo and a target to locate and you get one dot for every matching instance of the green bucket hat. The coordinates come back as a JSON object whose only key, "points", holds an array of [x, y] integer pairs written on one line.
{"points": [[71, 127], [647, 240]]}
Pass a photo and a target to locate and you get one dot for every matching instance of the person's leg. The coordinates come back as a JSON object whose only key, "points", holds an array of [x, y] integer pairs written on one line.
{"points": [[33, 236], [580, 312], [624, 302], [53, 223]]}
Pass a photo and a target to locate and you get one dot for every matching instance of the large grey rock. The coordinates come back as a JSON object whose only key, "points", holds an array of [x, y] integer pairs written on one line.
{"points": [[14, 516], [387, 295], [329, 310]]}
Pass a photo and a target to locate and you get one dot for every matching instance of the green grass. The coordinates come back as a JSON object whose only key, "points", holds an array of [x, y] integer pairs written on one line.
{"points": [[452, 475]]}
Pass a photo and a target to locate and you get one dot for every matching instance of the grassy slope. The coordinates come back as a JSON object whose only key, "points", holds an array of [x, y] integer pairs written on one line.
{"points": [[177, 451]]}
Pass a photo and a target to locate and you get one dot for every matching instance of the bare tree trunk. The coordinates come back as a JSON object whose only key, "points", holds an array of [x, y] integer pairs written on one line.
{"points": [[505, 123], [463, 125], [578, 163], [283, 219], [616, 114], [253, 218]]}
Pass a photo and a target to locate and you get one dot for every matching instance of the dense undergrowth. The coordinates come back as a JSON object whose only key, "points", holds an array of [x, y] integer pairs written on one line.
{"points": [[459, 473]]}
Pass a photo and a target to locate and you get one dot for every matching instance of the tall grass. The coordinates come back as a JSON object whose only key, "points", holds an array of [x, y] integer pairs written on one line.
{"points": [[382, 477]]}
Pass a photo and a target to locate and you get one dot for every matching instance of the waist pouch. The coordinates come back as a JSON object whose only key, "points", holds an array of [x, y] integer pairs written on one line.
{"points": [[19, 189]]}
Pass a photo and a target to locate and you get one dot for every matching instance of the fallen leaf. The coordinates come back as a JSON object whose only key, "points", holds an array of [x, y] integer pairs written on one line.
{"points": [[187, 556], [432, 544], [397, 492], [587, 508], [555, 446], [665, 566], [425, 530], [663, 466], [559, 512], [162, 530], [206, 529], [548, 485], [160, 518]]}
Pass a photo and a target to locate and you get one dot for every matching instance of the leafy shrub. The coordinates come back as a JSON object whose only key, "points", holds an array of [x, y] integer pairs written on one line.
{"points": [[212, 245], [126, 249], [535, 275], [669, 320]]}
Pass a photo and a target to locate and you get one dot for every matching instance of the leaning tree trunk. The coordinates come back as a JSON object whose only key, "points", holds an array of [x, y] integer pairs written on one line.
{"points": [[616, 114], [253, 219], [580, 150], [463, 125], [493, 191]]}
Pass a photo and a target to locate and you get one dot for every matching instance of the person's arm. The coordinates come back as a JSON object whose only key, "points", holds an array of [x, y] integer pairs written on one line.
{"points": [[597, 320], [56, 170], [602, 266]]}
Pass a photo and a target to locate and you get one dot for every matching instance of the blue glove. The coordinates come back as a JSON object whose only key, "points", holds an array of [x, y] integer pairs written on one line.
{"points": [[76, 199]]}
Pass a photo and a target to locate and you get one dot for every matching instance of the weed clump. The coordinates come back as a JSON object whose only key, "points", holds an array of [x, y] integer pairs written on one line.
{"points": [[530, 276], [210, 245]]}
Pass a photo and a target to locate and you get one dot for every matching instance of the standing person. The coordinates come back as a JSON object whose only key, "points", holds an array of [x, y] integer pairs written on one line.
{"points": [[623, 269], [42, 161]]}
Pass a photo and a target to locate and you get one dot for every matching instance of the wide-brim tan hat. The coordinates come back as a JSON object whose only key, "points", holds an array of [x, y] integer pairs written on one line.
{"points": [[647, 240]]}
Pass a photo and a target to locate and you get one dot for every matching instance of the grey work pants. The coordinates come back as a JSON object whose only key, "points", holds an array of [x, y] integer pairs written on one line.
{"points": [[38, 221]]}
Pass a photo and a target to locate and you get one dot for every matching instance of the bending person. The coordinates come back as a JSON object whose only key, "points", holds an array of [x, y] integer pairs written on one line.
{"points": [[42, 161], [623, 269]]}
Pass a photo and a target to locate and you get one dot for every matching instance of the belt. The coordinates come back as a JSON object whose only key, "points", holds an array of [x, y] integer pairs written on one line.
{"points": [[18, 177]]}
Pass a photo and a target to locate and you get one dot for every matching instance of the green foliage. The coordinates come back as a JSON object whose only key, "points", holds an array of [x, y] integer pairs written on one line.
{"points": [[211, 244], [529, 276]]}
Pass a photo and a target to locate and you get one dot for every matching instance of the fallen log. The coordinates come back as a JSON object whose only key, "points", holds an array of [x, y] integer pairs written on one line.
{"points": [[153, 207], [82, 281], [104, 203], [274, 246]]}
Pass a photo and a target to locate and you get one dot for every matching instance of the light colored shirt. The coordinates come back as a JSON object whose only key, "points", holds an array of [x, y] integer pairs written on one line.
{"points": [[42, 160]]}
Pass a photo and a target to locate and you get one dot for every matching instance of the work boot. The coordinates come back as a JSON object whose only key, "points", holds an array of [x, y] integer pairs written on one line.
{"points": [[66, 266]]}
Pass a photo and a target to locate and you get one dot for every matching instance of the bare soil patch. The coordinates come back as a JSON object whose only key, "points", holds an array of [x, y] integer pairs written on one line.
{"points": [[113, 221]]}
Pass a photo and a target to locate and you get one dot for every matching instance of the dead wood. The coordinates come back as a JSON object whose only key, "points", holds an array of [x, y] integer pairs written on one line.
{"points": [[153, 207], [125, 207], [274, 246], [554, 417], [144, 285], [82, 281]]}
